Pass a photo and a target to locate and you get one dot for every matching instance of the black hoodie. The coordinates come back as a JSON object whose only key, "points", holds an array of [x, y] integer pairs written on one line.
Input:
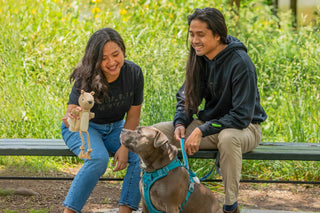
{"points": [[229, 87]]}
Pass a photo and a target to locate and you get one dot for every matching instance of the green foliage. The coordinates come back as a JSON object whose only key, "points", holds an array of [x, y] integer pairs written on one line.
{"points": [[42, 41], [5, 192]]}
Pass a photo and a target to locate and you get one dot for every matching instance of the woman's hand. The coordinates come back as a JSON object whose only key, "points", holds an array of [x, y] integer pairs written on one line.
{"points": [[132, 121], [120, 159], [70, 113], [192, 143]]}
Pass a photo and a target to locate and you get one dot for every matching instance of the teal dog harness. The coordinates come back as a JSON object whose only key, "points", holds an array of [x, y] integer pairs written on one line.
{"points": [[149, 178]]}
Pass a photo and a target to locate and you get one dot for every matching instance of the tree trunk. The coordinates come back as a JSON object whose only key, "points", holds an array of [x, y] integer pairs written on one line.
{"points": [[235, 1], [293, 6], [275, 7]]}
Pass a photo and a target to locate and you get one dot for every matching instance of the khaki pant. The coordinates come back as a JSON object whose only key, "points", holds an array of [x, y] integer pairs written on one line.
{"points": [[231, 143]]}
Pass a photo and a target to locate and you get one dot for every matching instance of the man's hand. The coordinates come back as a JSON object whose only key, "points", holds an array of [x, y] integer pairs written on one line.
{"points": [[121, 157], [179, 132], [192, 143]]}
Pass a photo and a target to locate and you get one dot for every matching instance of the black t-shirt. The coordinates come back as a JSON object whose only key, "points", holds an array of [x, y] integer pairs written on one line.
{"points": [[124, 92]]}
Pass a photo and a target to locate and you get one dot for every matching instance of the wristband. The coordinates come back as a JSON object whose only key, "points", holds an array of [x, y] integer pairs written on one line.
{"points": [[178, 126]]}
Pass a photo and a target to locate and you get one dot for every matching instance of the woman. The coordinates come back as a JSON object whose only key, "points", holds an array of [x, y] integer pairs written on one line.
{"points": [[118, 87]]}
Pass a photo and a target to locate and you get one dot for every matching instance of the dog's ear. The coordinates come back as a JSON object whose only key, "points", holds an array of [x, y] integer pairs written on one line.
{"points": [[160, 139]]}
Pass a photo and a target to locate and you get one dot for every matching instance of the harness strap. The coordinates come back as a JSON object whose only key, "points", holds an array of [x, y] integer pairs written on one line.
{"points": [[216, 165], [186, 164], [192, 175], [149, 178]]}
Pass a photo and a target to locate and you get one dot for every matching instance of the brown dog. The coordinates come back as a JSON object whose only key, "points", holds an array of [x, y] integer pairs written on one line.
{"points": [[168, 193]]}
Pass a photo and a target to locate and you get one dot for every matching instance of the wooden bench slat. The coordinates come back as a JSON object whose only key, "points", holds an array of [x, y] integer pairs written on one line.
{"points": [[265, 151], [38, 152], [290, 144], [307, 150], [34, 147]]}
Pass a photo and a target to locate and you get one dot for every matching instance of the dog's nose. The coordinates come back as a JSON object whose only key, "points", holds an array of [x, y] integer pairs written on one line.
{"points": [[90, 102]]}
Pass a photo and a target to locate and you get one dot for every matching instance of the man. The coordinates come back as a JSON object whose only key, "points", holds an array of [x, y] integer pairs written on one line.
{"points": [[220, 72]]}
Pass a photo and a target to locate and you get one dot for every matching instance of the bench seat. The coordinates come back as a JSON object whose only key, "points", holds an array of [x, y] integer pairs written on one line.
{"points": [[265, 151]]}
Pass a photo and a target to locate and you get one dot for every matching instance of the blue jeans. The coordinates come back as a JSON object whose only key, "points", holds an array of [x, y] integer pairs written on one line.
{"points": [[103, 138]]}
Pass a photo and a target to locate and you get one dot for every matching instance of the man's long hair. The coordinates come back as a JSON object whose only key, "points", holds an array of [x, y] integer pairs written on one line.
{"points": [[88, 73], [195, 65]]}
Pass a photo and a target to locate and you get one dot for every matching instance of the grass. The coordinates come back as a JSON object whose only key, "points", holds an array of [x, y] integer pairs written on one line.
{"points": [[6, 192], [42, 41]]}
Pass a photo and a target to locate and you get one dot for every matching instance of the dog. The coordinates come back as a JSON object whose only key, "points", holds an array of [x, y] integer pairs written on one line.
{"points": [[169, 193]]}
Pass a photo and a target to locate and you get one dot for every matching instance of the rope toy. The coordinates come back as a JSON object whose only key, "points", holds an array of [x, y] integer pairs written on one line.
{"points": [[86, 102]]}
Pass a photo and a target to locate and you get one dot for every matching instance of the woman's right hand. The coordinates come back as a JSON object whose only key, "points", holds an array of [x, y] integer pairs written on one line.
{"points": [[120, 160], [179, 132], [70, 115]]}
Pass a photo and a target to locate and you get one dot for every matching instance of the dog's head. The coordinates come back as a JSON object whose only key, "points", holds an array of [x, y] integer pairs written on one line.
{"points": [[151, 145]]}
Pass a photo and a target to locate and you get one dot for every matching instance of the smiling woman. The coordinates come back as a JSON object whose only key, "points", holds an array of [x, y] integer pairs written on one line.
{"points": [[112, 61], [118, 84]]}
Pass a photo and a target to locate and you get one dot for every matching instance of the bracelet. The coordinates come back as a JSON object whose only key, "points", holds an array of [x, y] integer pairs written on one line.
{"points": [[178, 126]]}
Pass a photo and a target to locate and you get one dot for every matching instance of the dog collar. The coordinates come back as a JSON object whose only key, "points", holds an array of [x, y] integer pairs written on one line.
{"points": [[149, 178]]}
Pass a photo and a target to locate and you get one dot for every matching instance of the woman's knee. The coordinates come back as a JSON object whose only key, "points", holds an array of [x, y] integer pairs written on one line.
{"points": [[98, 163]]}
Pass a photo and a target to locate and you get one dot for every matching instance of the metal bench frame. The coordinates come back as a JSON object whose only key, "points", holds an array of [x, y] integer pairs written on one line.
{"points": [[265, 151]]}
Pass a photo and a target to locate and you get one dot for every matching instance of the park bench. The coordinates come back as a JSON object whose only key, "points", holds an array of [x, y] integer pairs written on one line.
{"points": [[265, 151]]}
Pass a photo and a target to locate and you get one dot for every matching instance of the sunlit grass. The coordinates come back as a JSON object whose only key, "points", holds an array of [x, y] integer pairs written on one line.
{"points": [[42, 41]]}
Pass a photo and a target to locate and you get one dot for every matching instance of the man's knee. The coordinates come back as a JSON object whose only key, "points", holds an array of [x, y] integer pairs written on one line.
{"points": [[228, 140], [166, 128]]}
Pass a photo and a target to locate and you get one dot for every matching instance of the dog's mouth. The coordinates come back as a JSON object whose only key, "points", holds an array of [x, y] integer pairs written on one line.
{"points": [[124, 135], [126, 139], [124, 131], [129, 146]]}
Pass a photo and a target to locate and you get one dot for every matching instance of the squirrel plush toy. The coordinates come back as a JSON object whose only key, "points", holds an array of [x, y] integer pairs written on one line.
{"points": [[86, 102]]}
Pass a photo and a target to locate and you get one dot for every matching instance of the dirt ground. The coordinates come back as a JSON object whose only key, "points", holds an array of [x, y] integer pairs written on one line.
{"points": [[48, 195]]}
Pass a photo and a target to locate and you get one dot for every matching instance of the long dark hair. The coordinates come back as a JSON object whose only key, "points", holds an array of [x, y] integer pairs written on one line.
{"points": [[216, 23], [88, 73]]}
